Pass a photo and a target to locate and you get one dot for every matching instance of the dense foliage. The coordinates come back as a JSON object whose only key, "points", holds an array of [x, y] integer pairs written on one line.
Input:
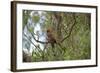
{"points": [[72, 32]]}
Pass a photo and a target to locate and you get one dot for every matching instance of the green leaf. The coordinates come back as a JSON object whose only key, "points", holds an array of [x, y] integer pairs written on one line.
{"points": [[31, 29], [35, 19]]}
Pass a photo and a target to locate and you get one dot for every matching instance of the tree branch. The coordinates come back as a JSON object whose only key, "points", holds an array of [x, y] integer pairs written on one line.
{"points": [[70, 29], [32, 42], [36, 39], [29, 39]]}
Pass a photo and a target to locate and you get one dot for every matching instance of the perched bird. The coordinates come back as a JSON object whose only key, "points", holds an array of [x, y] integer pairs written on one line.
{"points": [[50, 37]]}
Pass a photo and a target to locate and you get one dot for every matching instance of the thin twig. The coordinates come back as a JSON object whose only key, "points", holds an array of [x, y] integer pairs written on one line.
{"points": [[36, 39], [70, 29], [29, 39]]}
